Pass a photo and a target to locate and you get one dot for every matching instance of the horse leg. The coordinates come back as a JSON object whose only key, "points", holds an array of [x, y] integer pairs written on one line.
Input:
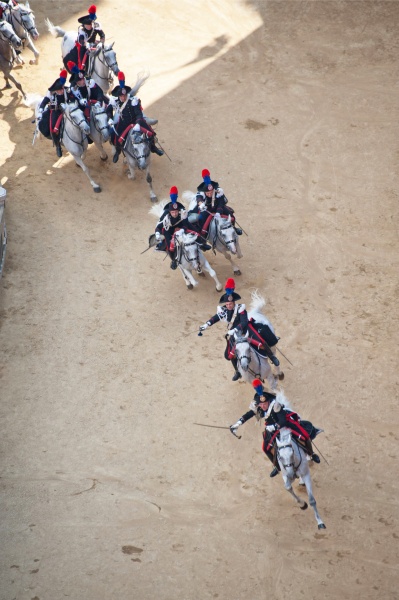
{"points": [[148, 179], [97, 142], [79, 161], [188, 278], [31, 46], [228, 256], [15, 82], [239, 253], [308, 482], [131, 174], [212, 273]]}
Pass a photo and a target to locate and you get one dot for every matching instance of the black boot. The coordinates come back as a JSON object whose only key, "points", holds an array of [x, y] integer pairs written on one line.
{"points": [[116, 155], [205, 247], [58, 150], [274, 360], [173, 265], [237, 375], [315, 458], [156, 150], [274, 472], [238, 230]]}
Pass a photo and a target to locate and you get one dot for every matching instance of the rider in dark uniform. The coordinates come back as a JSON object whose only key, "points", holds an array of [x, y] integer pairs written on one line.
{"points": [[49, 120], [86, 91], [173, 217], [264, 405], [129, 112], [236, 316], [216, 201], [89, 29]]}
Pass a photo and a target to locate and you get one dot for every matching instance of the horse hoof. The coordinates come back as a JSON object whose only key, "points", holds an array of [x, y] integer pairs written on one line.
{"points": [[237, 272], [304, 507], [321, 526], [105, 158], [32, 62], [190, 286], [97, 189], [201, 274], [154, 199], [280, 376], [219, 288]]}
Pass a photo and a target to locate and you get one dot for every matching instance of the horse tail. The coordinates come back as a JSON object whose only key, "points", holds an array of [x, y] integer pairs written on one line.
{"points": [[158, 208], [257, 301], [281, 399], [33, 100], [141, 79], [54, 29]]}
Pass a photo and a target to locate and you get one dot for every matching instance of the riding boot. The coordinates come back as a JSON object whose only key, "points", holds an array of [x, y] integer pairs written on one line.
{"points": [[156, 150], [117, 153], [58, 150], [238, 230], [309, 449], [173, 264], [202, 244], [272, 458], [237, 375], [272, 357]]}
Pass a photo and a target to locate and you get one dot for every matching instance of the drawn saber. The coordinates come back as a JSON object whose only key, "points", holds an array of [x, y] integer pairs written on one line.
{"points": [[217, 427], [287, 359]]}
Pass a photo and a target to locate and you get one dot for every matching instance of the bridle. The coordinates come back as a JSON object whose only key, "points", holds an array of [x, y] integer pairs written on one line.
{"points": [[196, 258], [291, 464], [96, 113], [222, 239], [138, 139], [13, 39], [24, 13], [77, 124], [104, 62], [248, 356]]}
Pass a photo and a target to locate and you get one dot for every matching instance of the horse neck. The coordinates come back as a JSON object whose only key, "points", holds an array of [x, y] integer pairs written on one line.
{"points": [[5, 50], [99, 64], [17, 23]]}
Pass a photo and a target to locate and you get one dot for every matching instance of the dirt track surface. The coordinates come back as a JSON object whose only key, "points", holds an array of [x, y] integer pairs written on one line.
{"points": [[108, 489]]}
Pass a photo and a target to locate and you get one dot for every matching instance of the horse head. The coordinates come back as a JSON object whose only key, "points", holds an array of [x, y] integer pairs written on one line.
{"points": [[100, 119], [243, 351], [140, 148], [8, 34], [27, 20], [285, 451], [226, 233], [189, 246], [110, 58], [75, 114]]}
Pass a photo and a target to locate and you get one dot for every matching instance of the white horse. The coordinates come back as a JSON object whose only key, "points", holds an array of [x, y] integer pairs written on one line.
{"points": [[9, 42], [293, 463], [221, 233], [102, 59], [138, 154], [75, 130], [188, 254], [99, 130], [254, 312], [251, 364], [190, 258], [22, 19]]}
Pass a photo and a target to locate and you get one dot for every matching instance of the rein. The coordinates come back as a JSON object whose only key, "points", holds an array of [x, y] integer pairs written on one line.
{"points": [[84, 136], [295, 467], [23, 12]]}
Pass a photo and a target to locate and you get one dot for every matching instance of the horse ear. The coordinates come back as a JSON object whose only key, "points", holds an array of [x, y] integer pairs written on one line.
{"points": [[112, 45], [27, 4]]}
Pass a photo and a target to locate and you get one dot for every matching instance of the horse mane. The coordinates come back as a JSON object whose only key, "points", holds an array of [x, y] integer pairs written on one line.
{"points": [[141, 79], [158, 208]]}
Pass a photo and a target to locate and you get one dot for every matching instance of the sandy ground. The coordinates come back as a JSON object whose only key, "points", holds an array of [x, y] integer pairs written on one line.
{"points": [[108, 489]]}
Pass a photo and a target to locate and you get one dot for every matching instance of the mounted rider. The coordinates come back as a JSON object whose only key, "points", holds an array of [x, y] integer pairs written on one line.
{"points": [[215, 202], [4, 6], [236, 317], [86, 91], [50, 114], [173, 218], [89, 29], [276, 415], [128, 115]]}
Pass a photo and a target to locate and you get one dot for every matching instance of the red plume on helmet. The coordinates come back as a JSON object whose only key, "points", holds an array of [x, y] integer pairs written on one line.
{"points": [[121, 79], [63, 75], [92, 11], [230, 285], [73, 67], [173, 193], [257, 383], [206, 176]]}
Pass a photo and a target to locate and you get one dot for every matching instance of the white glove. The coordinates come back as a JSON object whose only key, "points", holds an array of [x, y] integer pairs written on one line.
{"points": [[233, 428], [110, 122], [231, 332], [270, 428], [135, 101], [204, 326], [137, 127], [219, 192], [83, 102], [157, 235]]}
